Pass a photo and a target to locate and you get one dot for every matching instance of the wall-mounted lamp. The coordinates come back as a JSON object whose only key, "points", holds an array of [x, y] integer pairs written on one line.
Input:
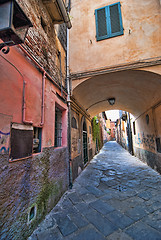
{"points": [[111, 101], [14, 24]]}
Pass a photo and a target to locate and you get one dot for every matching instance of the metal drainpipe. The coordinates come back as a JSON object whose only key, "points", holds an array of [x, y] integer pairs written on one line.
{"points": [[69, 111], [39, 66], [43, 98], [43, 89], [130, 136]]}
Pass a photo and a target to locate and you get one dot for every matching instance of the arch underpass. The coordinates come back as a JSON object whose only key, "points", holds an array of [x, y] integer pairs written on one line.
{"points": [[135, 91]]}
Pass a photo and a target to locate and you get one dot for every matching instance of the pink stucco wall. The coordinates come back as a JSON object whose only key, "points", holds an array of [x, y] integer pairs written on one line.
{"points": [[16, 68]]}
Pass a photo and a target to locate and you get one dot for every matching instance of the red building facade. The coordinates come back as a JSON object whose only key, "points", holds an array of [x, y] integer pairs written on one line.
{"points": [[33, 124]]}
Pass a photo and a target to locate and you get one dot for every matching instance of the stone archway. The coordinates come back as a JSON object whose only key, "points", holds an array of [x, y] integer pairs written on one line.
{"points": [[135, 91]]}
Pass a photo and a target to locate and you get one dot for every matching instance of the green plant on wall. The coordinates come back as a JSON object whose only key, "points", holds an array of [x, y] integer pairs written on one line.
{"points": [[96, 131]]}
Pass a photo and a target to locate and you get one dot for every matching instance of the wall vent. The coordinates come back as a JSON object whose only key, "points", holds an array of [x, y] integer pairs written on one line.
{"points": [[32, 213]]}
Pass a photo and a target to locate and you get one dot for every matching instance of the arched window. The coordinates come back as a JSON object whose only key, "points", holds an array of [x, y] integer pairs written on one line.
{"points": [[74, 123], [84, 126]]}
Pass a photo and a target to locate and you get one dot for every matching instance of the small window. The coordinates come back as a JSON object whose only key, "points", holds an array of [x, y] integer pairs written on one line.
{"points": [[74, 123], [58, 127], [108, 21], [84, 126], [32, 213], [37, 140]]}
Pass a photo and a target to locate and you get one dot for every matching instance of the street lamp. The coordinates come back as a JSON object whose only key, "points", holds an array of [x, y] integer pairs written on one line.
{"points": [[14, 24], [111, 101]]}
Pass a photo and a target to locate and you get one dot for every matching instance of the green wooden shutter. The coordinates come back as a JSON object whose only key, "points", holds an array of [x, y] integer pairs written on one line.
{"points": [[108, 21], [115, 20], [101, 24]]}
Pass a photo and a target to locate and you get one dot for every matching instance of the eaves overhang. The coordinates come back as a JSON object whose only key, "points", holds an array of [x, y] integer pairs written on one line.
{"points": [[58, 12]]}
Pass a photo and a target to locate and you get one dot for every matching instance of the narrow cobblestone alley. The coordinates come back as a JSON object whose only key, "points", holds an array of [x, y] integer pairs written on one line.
{"points": [[115, 197]]}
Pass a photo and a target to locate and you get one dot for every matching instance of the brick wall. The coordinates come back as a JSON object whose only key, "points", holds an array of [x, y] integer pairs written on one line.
{"points": [[41, 40]]}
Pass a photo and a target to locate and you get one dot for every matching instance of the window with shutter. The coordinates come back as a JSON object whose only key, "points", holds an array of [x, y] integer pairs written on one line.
{"points": [[101, 21], [108, 21]]}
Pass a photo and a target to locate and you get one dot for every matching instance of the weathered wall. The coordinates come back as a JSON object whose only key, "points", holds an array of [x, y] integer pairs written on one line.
{"points": [[103, 127], [39, 180], [77, 140], [42, 39], [146, 131], [141, 39], [121, 133]]}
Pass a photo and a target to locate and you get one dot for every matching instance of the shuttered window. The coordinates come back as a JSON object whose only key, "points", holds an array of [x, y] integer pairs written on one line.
{"points": [[108, 21]]}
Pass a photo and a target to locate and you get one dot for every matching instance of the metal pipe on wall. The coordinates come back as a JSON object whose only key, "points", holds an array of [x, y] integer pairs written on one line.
{"points": [[69, 109], [40, 67], [43, 99]]}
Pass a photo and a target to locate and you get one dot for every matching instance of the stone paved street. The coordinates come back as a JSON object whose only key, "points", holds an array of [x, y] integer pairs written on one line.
{"points": [[115, 197]]}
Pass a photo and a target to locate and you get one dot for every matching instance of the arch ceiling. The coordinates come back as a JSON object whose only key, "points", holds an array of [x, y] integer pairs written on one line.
{"points": [[135, 91]]}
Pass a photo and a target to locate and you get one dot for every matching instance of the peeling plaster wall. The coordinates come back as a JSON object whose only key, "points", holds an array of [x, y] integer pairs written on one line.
{"points": [[145, 133], [147, 130], [41, 179], [145, 146]]}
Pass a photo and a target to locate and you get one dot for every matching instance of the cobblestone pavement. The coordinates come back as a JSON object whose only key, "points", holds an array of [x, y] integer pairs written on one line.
{"points": [[115, 197]]}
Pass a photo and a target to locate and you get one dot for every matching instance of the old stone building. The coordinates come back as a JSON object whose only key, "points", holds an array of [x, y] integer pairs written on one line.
{"points": [[34, 168]]}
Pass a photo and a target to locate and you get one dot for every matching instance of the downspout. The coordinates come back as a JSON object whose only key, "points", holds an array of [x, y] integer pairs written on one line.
{"points": [[40, 67], [43, 88], [69, 108], [43, 99], [130, 142], [120, 133]]}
